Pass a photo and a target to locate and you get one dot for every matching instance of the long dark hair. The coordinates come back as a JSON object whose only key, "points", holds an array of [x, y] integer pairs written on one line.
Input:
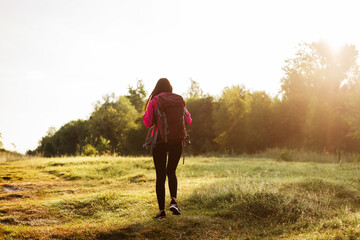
{"points": [[163, 85]]}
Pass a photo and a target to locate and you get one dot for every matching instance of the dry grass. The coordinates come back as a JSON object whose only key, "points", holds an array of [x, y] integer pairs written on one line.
{"points": [[221, 198]]}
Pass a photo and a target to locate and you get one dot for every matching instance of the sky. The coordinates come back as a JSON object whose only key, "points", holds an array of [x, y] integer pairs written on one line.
{"points": [[59, 57]]}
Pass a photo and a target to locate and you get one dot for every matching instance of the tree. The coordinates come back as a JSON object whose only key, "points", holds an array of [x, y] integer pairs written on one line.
{"points": [[229, 114], [201, 130], [194, 90], [70, 137], [258, 122], [106, 131], [47, 145], [135, 138], [137, 96], [67, 141], [112, 120], [136, 135], [311, 90], [351, 113]]}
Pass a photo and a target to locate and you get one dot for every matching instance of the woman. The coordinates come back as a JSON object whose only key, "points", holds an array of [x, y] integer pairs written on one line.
{"points": [[164, 150]]}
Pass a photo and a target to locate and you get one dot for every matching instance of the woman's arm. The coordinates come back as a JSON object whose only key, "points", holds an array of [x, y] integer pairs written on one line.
{"points": [[148, 116], [188, 118]]}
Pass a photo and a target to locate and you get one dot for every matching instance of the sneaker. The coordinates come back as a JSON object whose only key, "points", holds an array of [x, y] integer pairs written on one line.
{"points": [[174, 207], [161, 216]]}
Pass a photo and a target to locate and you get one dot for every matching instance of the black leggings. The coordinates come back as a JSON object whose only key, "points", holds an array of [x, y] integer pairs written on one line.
{"points": [[160, 155]]}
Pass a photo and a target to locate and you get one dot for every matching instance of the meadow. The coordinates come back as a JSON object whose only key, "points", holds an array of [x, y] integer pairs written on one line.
{"points": [[245, 197]]}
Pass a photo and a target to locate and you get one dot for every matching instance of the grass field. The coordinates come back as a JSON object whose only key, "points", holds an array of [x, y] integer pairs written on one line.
{"points": [[221, 198]]}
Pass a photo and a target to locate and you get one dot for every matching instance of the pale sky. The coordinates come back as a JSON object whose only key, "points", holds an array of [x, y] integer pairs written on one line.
{"points": [[58, 57]]}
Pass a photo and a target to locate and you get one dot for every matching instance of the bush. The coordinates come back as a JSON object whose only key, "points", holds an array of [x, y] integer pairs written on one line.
{"points": [[89, 150], [103, 146]]}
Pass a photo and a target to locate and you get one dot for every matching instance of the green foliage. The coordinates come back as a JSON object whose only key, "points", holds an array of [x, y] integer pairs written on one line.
{"points": [[113, 119], [137, 96], [317, 110], [135, 138], [89, 150], [258, 122], [103, 146], [351, 111], [194, 90], [201, 130], [66, 141], [313, 90], [229, 113], [47, 145]]}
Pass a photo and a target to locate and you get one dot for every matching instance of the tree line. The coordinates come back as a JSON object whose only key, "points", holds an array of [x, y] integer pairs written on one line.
{"points": [[317, 108]]}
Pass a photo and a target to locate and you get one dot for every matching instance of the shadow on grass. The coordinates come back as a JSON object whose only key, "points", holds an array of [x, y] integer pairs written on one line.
{"points": [[175, 227], [228, 211]]}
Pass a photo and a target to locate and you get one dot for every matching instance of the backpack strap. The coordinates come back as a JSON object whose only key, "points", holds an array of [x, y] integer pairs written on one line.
{"points": [[183, 151], [152, 134], [163, 115], [182, 142], [154, 141]]}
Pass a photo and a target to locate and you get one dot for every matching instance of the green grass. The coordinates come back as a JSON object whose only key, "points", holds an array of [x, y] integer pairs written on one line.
{"points": [[221, 198]]}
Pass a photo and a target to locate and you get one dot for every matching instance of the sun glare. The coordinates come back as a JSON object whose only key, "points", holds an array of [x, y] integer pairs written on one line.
{"points": [[335, 43]]}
